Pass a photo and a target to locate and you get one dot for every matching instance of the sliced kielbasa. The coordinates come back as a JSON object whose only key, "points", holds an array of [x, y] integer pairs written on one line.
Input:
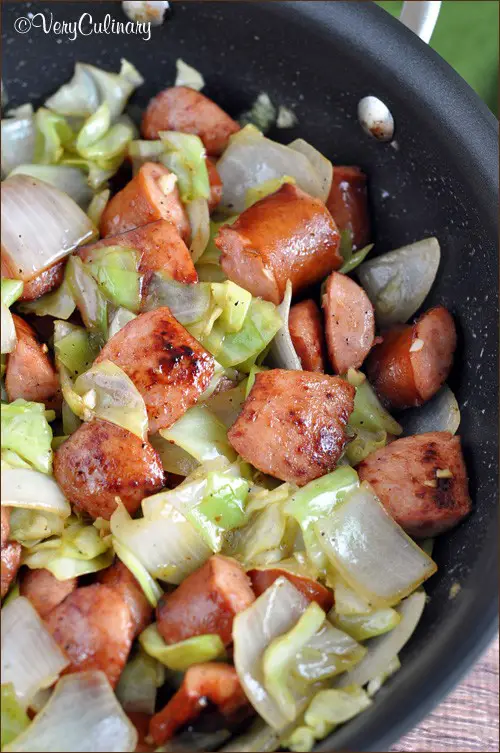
{"points": [[215, 184], [214, 682], [151, 195], [93, 627], [30, 374], [159, 246], [43, 283], [288, 235], [101, 461], [421, 481], [311, 589], [44, 590], [121, 579], [292, 424], [206, 602], [183, 109], [349, 323], [414, 360], [167, 365], [306, 330], [348, 204]]}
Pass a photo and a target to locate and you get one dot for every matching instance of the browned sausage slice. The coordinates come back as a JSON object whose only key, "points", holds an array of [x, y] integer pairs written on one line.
{"points": [[348, 203], [306, 330], [150, 195], [45, 282], [287, 235], [215, 184], [168, 366], [93, 627], [10, 554], [182, 109], [214, 682], [421, 481], [206, 602], [44, 590], [349, 323], [292, 424], [414, 360], [101, 461], [30, 373], [160, 249], [311, 589], [121, 580]]}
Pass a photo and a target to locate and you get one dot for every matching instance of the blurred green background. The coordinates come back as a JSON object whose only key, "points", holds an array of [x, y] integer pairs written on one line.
{"points": [[466, 36]]}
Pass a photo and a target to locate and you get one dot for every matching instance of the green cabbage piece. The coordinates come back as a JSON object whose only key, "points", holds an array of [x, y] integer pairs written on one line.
{"points": [[280, 657], [97, 205], [14, 718], [76, 350], [29, 527], [234, 302], [10, 291], [26, 431], [53, 135], [152, 590], [180, 656], [334, 706], [364, 626], [138, 683], [221, 509], [315, 500], [355, 259], [369, 413], [59, 303], [262, 113], [115, 270], [184, 154], [364, 443], [89, 299], [211, 254], [94, 128], [201, 434], [10, 459]]}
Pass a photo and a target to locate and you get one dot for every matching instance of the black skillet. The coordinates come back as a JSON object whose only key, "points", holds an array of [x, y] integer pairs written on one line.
{"points": [[320, 59]]}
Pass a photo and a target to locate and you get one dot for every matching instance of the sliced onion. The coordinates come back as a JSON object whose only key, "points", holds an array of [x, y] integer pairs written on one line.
{"points": [[17, 142], [251, 159], [70, 180], [282, 352], [199, 219], [40, 225], [398, 282], [30, 657], [109, 393], [173, 458], [383, 650], [33, 490], [83, 713], [188, 303], [168, 546], [371, 552], [440, 413], [321, 164], [8, 330], [275, 612], [188, 76]]}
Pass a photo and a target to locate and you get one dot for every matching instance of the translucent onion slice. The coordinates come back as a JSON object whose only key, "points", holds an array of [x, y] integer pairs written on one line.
{"points": [[398, 282], [168, 545], [251, 159], [17, 142], [110, 394], [83, 714], [383, 650], [199, 219], [440, 413], [70, 180], [372, 553], [33, 490], [187, 75], [8, 330], [30, 657], [321, 164], [282, 353], [40, 225], [275, 612], [188, 303]]}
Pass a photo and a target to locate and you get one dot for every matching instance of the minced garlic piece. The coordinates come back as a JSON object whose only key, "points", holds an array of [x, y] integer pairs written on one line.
{"points": [[445, 473], [416, 345], [167, 183]]}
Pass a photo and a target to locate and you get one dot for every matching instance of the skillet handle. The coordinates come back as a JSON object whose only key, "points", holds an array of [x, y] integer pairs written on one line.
{"points": [[421, 17]]}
